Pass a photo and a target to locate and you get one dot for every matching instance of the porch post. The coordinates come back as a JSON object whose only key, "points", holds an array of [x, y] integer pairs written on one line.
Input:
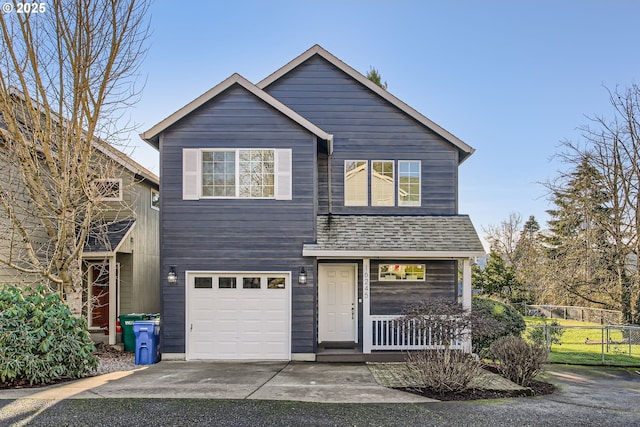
{"points": [[466, 284], [366, 307], [466, 296], [113, 302]]}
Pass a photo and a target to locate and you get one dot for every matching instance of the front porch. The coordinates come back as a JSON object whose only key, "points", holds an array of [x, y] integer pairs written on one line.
{"points": [[366, 280]]}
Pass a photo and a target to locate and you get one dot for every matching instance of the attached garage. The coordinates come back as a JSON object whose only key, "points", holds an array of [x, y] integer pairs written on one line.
{"points": [[238, 315]]}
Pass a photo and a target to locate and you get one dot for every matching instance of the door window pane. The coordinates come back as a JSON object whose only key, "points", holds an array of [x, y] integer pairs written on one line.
{"points": [[276, 283], [226, 282], [203, 283], [251, 282]]}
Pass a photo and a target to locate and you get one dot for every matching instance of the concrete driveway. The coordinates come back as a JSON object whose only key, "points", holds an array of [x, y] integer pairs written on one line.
{"points": [[231, 394], [306, 382]]}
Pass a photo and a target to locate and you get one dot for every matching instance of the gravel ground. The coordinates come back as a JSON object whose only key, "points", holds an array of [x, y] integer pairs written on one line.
{"points": [[112, 360]]}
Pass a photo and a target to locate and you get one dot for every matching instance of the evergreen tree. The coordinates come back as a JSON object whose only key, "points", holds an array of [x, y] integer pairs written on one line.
{"points": [[499, 279], [581, 262], [375, 77], [528, 259]]}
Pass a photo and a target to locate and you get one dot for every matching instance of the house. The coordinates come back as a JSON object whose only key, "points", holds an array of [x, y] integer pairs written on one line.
{"points": [[301, 214], [121, 255]]}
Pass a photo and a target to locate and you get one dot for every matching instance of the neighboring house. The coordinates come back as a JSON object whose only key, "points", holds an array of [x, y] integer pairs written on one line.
{"points": [[301, 214], [121, 256]]}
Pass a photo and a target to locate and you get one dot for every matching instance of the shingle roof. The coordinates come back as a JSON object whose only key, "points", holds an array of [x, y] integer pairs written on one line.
{"points": [[107, 238], [435, 236]]}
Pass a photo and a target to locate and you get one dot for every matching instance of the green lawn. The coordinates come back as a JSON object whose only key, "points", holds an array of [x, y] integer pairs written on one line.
{"points": [[582, 343]]}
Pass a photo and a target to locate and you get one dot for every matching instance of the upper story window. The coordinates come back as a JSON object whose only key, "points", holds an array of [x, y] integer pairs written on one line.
{"points": [[355, 183], [237, 173], [108, 189], [383, 183], [409, 183]]}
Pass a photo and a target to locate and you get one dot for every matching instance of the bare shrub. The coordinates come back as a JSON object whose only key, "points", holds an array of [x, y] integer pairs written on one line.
{"points": [[518, 360], [443, 371], [447, 321], [442, 368]]}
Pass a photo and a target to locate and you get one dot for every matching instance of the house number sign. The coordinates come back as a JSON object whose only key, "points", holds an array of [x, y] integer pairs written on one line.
{"points": [[365, 283]]}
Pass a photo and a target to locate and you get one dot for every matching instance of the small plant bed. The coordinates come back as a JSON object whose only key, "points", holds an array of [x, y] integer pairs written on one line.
{"points": [[537, 388]]}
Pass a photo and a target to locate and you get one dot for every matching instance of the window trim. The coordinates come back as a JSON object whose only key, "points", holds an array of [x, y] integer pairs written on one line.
{"points": [[366, 174], [399, 263], [405, 204], [236, 152], [118, 198]]}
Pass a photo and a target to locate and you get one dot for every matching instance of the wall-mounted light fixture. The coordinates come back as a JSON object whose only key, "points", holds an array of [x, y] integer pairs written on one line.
{"points": [[302, 276], [172, 276]]}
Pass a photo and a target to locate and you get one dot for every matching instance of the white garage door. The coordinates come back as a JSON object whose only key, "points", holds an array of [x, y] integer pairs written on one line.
{"points": [[238, 316]]}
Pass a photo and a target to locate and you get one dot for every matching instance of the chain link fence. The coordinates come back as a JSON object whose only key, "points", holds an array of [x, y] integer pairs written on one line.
{"points": [[613, 345], [582, 314]]}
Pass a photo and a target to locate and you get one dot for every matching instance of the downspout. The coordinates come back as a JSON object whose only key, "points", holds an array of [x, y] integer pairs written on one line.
{"points": [[330, 154]]}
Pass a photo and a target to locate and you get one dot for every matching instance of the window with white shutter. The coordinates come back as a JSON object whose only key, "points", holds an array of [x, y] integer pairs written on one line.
{"points": [[237, 173]]}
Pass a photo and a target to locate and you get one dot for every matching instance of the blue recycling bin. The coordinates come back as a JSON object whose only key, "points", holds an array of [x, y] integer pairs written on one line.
{"points": [[147, 334]]}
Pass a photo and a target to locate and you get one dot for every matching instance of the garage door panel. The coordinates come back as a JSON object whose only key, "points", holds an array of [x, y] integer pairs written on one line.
{"points": [[238, 323]]}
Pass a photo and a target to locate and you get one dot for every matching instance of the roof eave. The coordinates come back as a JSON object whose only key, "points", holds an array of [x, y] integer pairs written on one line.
{"points": [[442, 255]]}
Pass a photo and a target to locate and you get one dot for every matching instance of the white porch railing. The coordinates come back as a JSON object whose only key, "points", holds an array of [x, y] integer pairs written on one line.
{"points": [[394, 333]]}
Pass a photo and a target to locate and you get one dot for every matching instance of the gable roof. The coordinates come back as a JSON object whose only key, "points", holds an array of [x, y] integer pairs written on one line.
{"points": [[372, 236], [464, 149], [152, 135]]}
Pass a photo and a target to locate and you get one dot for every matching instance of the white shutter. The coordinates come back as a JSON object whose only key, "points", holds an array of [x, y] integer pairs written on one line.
{"points": [[283, 174], [190, 174]]}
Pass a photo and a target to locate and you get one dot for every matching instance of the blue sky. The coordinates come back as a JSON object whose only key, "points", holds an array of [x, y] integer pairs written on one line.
{"points": [[510, 78]]}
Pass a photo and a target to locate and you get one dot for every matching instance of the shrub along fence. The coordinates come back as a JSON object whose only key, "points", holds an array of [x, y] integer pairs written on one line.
{"points": [[613, 345]]}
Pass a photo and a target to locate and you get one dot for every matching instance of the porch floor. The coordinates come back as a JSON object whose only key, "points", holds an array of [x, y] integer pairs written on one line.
{"points": [[354, 355]]}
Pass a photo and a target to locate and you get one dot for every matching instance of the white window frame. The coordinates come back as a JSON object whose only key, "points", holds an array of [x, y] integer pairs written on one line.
{"points": [[400, 201], [395, 279], [118, 198], [366, 175], [393, 183], [154, 191]]}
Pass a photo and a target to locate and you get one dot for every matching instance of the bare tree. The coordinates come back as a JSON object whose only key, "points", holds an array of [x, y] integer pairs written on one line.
{"points": [[504, 237], [612, 147], [65, 76]]}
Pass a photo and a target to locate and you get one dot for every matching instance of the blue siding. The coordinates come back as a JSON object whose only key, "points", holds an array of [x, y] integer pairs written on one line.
{"points": [[236, 234], [366, 127]]}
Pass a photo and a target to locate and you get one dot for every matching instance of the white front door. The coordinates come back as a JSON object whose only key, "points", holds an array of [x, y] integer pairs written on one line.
{"points": [[337, 317]]}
